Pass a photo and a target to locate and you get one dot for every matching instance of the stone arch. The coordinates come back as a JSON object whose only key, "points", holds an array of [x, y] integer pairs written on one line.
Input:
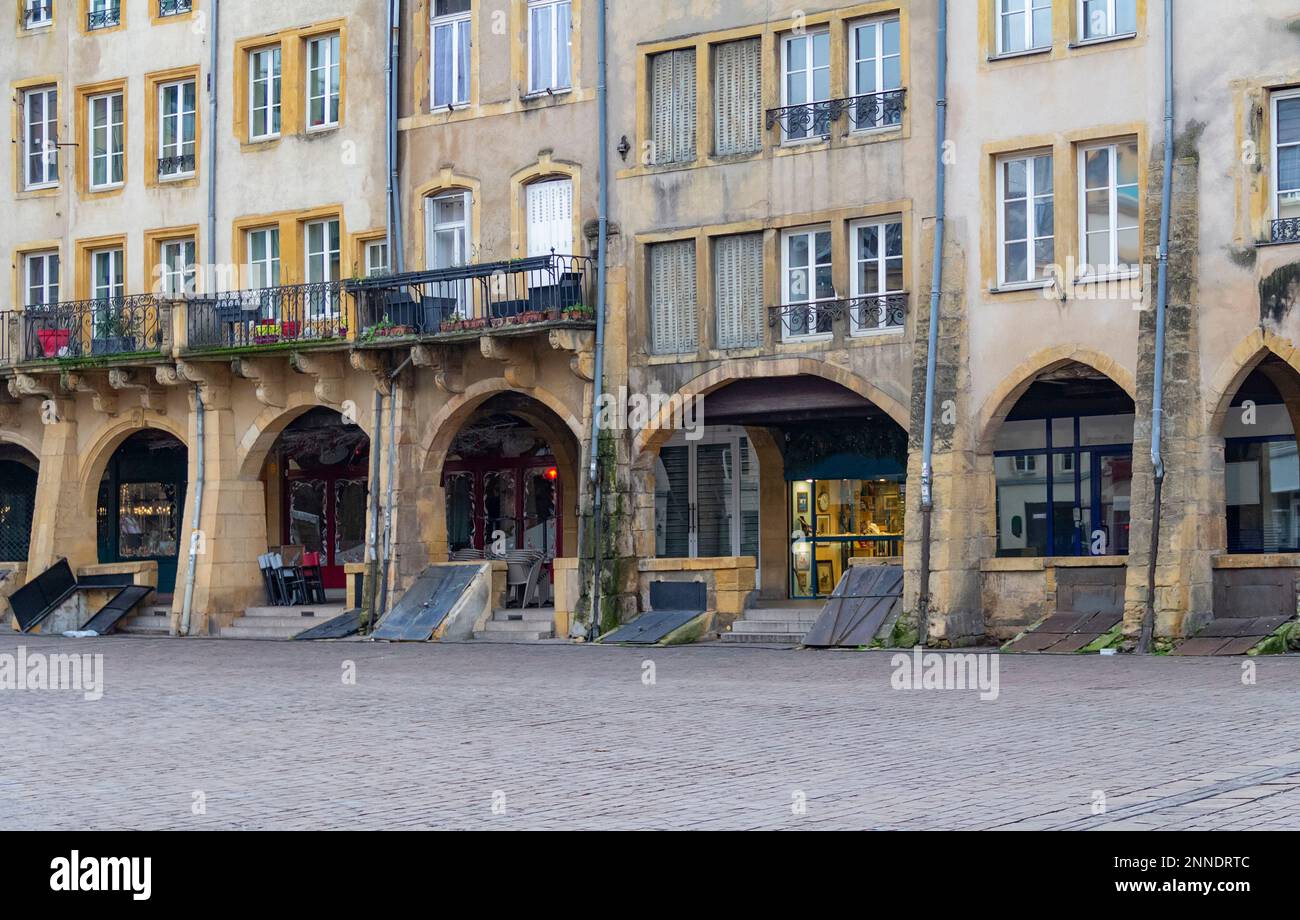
{"points": [[546, 167], [650, 439], [261, 435], [1004, 398], [1239, 365], [98, 453]]}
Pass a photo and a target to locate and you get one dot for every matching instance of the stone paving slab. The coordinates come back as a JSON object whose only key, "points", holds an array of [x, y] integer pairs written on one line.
{"points": [[215, 734]]}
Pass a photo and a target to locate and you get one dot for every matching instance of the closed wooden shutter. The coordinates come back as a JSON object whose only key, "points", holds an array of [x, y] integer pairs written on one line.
{"points": [[673, 106], [550, 217], [673, 324], [738, 97], [738, 263]]}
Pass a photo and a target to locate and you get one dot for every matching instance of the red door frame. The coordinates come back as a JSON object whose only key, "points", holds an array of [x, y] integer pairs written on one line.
{"points": [[333, 575], [520, 466]]}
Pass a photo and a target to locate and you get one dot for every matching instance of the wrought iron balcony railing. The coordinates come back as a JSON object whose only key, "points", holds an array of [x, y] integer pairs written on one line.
{"points": [[286, 315], [1286, 230], [814, 119], [172, 167], [38, 13], [92, 328], [872, 313], [471, 297], [174, 7], [106, 18]]}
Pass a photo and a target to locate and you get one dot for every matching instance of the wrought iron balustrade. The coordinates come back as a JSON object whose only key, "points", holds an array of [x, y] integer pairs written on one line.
{"points": [[174, 7], [289, 314], [814, 119], [873, 312], [92, 328], [180, 165], [1286, 230], [489, 295], [104, 19]]}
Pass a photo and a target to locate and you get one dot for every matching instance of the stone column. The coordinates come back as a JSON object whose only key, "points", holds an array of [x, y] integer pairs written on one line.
{"points": [[62, 526]]}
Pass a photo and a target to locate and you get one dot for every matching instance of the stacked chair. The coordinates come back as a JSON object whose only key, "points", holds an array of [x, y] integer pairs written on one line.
{"points": [[525, 569]]}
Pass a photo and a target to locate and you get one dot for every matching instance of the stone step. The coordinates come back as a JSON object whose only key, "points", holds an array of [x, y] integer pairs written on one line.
{"points": [[771, 626], [764, 638], [518, 626], [531, 615], [534, 636], [146, 625], [782, 615], [240, 630], [319, 612]]}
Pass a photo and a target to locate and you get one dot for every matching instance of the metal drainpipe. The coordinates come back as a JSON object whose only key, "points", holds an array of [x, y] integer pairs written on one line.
{"points": [[394, 239], [199, 479], [372, 532], [210, 283], [598, 377], [213, 43], [1162, 302], [932, 349]]}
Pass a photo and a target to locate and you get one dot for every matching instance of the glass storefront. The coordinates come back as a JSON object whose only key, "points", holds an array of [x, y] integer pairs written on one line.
{"points": [[141, 504], [1064, 486], [1263, 481], [706, 497], [834, 521]]}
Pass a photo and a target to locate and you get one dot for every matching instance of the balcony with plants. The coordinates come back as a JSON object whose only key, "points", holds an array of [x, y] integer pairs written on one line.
{"points": [[105, 331], [287, 317]]}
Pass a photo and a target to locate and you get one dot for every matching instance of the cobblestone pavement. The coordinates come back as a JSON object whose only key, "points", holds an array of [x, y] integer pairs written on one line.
{"points": [[268, 735]]}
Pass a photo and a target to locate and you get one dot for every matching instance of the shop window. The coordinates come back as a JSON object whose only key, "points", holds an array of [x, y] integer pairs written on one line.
{"points": [[838, 520]]}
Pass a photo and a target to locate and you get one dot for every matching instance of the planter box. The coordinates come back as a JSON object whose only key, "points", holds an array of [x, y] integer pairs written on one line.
{"points": [[112, 345]]}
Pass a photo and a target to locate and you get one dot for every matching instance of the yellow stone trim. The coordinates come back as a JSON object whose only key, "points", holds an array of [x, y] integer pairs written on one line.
{"points": [[152, 83], [81, 131], [292, 254], [153, 240], [447, 180], [17, 88], [293, 80], [357, 246], [83, 272], [1064, 32], [85, 13], [1261, 561], [545, 168], [155, 19], [21, 252]]}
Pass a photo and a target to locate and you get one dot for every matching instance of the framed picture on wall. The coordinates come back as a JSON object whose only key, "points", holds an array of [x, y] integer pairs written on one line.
{"points": [[823, 525], [825, 576], [801, 503]]}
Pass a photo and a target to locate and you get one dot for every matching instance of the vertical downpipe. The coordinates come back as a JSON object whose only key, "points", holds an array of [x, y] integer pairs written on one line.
{"points": [[932, 348], [199, 479], [372, 532], [598, 378], [1162, 303]]}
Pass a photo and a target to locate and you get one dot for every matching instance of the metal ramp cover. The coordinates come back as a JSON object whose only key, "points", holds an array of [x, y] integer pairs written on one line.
{"points": [[1229, 636], [1066, 633], [863, 600], [342, 626], [38, 598], [674, 604], [123, 602], [420, 612]]}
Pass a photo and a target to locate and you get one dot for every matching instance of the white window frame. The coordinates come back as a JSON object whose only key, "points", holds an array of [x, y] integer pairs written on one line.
{"points": [[48, 290], [558, 82], [273, 81], [111, 155], [103, 6], [48, 129], [1031, 219], [1111, 7], [1088, 270], [177, 279], [810, 80], [879, 56], [116, 289], [459, 227], [267, 269], [1033, 43], [789, 298], [376, 258], [46, 7], [177, 149], [329, 254], [881, 261], [462, 45], [1276, 194], [332, 44]]}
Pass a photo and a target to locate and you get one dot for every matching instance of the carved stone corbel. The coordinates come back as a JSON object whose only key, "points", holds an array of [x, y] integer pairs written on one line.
{"points": [[55, 406], [447, 364], [583, 346], [519, 358], [372, 363], [267, 373], [152, 396], [103, 396], [327, 369]]}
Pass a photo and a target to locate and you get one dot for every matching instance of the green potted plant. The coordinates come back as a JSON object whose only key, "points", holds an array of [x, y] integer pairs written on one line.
{"points": [[114, 333]]}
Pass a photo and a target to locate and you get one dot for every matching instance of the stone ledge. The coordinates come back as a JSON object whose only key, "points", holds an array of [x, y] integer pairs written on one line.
{"points": [[1042, 563], [703, 564], [1257, 561]]}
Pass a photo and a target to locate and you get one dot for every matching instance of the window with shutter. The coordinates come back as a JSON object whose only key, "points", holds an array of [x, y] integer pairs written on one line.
{"points": [[738, 97], [673, 106], [738, 264], [550, 217], [673, 325]]}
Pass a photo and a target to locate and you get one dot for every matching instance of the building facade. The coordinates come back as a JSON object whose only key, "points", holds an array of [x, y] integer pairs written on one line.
{"points": [[427, 371]]}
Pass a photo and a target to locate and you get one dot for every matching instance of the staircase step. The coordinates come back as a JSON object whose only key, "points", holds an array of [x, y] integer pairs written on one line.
{"points": [[146, 624], [531, 615], [782, 616], [515, 636], [308, 612], [518, 626], [240, 630], [771, 626], [765, 638]]}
